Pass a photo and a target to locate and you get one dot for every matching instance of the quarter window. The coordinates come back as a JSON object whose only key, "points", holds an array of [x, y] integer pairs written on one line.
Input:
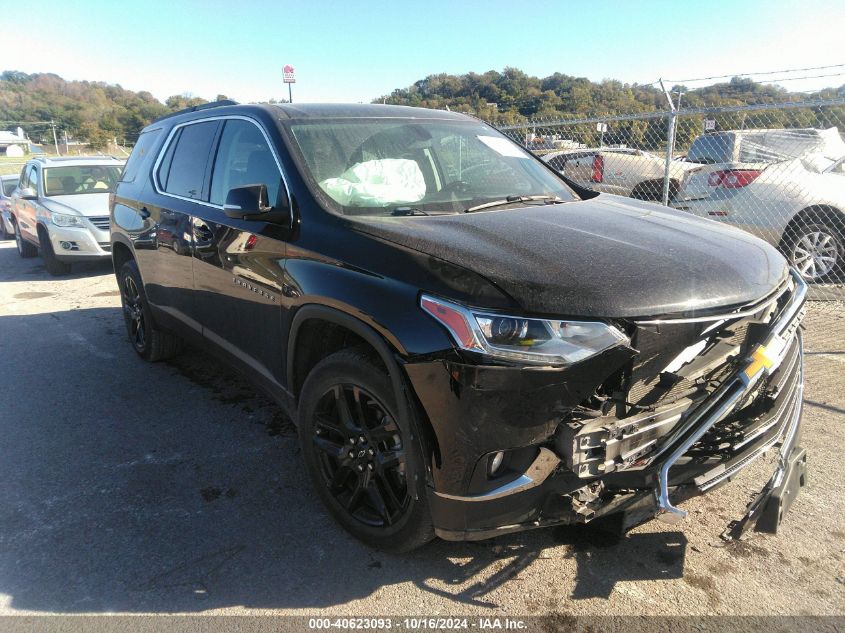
{"points": [[182, 172], [243, 158]]}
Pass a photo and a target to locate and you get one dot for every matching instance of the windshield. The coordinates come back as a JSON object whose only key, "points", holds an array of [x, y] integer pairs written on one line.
{"points": [[71, 180], [710, 149], [407, 167], [9, 186]]}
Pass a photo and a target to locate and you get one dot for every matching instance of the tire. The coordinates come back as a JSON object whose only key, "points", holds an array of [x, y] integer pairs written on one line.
{"points": [[366, 465], [815, 244], [148, 340], [53, 265], [4, 234], [25, 249], [652, 191]]}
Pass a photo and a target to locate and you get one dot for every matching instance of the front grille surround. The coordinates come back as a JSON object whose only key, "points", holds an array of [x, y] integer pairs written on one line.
{"points": [[100, 222]]}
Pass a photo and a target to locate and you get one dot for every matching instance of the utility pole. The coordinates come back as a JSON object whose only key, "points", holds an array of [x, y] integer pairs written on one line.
{"points": [[670, 144], [55, 140]]}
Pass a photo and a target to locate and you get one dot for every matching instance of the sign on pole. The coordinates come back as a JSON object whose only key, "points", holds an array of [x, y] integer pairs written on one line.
{"points": [[289, 78]]}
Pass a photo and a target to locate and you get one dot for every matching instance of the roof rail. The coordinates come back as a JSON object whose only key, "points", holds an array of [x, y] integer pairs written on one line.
{"points": [[196, 108], [45, 159]]}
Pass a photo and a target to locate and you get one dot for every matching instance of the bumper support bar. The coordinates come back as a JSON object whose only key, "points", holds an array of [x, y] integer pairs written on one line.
{"points": [[729, 396]]}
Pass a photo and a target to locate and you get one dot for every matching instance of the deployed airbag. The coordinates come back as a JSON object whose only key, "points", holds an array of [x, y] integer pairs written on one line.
{"points": [[377, 183]]}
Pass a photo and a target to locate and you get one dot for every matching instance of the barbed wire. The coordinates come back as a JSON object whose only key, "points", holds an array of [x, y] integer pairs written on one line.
{"points": [[767, 72]]}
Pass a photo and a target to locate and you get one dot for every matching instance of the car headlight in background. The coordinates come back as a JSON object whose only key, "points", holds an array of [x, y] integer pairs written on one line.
{"points": [[63, 220], [542, 341]]}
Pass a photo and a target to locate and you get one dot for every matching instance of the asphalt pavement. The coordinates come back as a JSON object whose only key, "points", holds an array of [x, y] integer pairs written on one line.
{"points": [[134, 488]]}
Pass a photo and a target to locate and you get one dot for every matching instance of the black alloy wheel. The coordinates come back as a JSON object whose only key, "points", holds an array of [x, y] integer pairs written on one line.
{"points": [[361, 456], [150, 341], [133, 314]]}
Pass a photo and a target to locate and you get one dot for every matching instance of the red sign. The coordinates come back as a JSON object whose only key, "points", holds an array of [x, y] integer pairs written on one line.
{"points": [[288, 73]]}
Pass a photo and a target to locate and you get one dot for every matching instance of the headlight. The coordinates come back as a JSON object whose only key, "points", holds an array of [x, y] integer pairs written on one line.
{"points": [[542, 341], [61, 219]]}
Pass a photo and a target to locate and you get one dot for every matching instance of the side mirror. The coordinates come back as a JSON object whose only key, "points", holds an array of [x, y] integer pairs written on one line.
{"points": [[249, 202], [28, 194]]}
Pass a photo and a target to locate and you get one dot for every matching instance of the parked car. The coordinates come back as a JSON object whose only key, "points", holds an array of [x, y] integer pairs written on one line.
{"points": [[735, 150], [469, 344], [622, 171], [785, 186], [7, 186], [60, 209]]}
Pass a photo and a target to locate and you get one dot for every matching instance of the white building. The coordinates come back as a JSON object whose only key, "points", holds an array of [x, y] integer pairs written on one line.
{"points": [[13, 143]]}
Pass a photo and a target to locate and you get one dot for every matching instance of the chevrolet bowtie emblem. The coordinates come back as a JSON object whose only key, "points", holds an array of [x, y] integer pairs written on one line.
{"points": [[760, 361], [764, 357]]}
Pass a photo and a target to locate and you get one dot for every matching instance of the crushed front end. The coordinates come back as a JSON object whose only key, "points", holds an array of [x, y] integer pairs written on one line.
{"points": [[683, 408]]}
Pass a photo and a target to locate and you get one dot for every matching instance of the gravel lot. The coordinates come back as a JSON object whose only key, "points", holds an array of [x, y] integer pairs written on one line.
{"points": [[135, 488]]}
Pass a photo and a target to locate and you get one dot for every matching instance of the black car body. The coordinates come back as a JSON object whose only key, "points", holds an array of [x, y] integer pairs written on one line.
{"points": [[545, 358]]}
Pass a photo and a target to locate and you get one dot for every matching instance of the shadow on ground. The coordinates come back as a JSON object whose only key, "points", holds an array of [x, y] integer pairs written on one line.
{"points": [[32, 269], [132, 487]]}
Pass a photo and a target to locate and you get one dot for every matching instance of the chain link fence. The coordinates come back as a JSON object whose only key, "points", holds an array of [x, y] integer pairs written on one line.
{"points": [[776, 171]]}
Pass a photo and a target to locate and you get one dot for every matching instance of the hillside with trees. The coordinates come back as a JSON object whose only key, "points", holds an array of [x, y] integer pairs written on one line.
{"points": [[89, 111], [97, 112], [512, 96]]}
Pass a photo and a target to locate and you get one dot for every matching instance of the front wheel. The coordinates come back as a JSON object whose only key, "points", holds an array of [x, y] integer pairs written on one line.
{"points": [[53, 265], [25, 249], [149, 341], [815, 246], [366, 465]]}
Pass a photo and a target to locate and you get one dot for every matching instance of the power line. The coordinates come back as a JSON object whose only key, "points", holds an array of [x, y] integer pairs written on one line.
{"points": [[797, 78], [768, 72]]}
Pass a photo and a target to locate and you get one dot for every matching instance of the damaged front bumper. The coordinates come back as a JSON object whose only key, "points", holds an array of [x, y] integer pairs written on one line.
{"points": [[491, 408]]}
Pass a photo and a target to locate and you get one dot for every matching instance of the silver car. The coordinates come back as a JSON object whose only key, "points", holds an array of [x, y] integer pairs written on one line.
{"points": [[61, 208], [7, 186], [797, 205]]}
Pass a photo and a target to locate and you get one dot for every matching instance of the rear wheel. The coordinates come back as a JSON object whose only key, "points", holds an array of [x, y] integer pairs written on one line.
{"points": [[366, 467], [814, 244], [53, 265], [25, 249], [149, 341], [652, 190]]}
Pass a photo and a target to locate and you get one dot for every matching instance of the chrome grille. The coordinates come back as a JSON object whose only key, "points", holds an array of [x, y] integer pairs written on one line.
{"points": [[100, 222]]}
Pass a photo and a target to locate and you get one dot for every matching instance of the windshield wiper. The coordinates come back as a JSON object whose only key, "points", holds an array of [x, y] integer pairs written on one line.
{"points": [[408, 211], [512, 199]]}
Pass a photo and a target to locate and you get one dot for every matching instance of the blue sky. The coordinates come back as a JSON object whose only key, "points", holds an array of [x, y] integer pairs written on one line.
{"points": [[348, 51]]}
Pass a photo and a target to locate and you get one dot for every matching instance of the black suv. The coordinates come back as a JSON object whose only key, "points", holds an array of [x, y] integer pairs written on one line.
{"points": [[469, 344]]}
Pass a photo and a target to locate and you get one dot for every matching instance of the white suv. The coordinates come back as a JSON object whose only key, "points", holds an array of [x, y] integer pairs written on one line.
{"points": [[61, 208]]}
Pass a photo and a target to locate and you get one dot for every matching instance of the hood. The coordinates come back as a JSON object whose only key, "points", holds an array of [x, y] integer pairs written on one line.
{"points": [[605, 257], [87, 204]]}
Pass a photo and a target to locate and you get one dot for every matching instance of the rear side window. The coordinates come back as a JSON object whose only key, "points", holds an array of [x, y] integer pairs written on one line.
{"points": [[711, 149], [183, 170], [139, 153]]}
